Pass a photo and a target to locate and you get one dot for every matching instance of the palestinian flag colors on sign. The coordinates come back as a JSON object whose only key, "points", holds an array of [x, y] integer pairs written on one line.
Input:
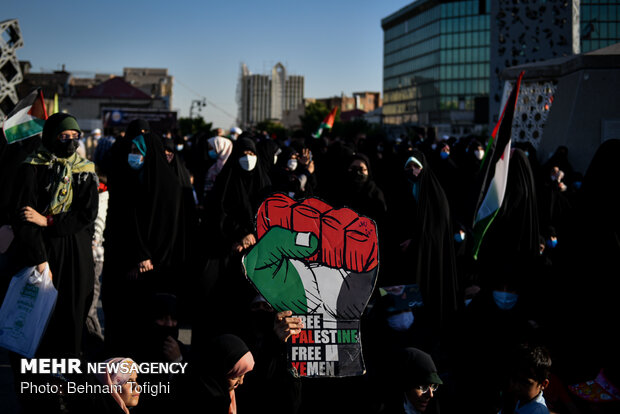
{"points": [[26, 119], [494, 170], [327, 123]]}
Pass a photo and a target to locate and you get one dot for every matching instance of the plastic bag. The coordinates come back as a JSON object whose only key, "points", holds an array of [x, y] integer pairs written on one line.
{"points": [[26, 310]]}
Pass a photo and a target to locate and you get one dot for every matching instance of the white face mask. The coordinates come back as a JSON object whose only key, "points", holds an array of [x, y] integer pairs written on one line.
{"points": [[248, 162], [479, 154], [291, 164], [401, 321]]}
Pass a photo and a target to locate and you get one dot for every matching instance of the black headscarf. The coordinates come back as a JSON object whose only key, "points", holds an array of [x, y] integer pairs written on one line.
{"points": [[590, 264], [136, 127], [240, 193], [268, 149], [148, 200], [177, 164], [430, 259], [209, 388], [513, 235], [53, 126], [363, 195]]}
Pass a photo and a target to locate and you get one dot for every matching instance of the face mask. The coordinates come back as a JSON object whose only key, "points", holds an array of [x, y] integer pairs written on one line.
{"points": [[180, 147], [248, 162], [275, 159], [212, 154], [135, 161], [577, 185], [434, 147], [66, 149], [459, 237], [467, 301], [505, 300], [444, 155], [479, 154], [551, 243], [291, 164], [401, 321]]}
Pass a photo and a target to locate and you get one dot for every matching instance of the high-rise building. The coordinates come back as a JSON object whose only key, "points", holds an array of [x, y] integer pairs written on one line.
{"points": [[436, 63], [267, 97], [443, 58]]}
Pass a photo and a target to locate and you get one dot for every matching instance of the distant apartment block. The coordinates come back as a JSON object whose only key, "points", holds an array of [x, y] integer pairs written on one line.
{"points": [[267, 97], [155, 82]]}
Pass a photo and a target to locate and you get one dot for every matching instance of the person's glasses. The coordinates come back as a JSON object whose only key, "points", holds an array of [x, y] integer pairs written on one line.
{"points": [[67, 137], [424, 388]]}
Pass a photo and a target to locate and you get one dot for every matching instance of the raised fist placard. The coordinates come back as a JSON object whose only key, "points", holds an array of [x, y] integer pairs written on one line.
{"points": [[321, 263]]}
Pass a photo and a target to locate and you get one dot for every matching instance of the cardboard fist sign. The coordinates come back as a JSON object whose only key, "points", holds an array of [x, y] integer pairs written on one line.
{"points": [[321, 263]]}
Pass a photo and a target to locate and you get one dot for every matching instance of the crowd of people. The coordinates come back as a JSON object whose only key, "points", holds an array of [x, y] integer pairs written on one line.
{"points": [[155, 226]]}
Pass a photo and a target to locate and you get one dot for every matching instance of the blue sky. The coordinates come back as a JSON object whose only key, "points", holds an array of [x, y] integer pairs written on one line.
{"points": [[336, 45]]}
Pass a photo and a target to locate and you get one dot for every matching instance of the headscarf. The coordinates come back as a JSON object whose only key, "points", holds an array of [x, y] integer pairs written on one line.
{"points": [[63, 168], [430, 255], [227, 356], [513, 235], [136, 127], [240, 192], [114, 377], [223, 147], [147, 204]]}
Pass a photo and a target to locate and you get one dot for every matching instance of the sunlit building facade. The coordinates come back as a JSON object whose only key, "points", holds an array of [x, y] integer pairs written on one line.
{"points": [[436, 62]]}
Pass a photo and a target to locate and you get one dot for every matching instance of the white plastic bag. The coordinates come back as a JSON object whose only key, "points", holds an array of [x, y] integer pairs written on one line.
{"points": [[26, 310]]}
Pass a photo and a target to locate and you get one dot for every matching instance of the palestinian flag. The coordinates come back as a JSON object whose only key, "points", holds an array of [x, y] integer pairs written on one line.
{"points": [[327, 123], [494, 170], [26, 119]]}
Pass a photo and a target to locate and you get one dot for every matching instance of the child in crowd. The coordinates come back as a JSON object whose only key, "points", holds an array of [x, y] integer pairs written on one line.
{"points": [[528, 378]]}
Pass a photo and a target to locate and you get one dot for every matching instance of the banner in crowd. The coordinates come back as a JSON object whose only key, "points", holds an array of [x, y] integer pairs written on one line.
{"points": [[321, 263]]}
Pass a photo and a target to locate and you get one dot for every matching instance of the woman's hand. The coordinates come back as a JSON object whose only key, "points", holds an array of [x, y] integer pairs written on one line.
{"points": [[145, 266], [31, 215], [286, 325], [41, 268], [245, 243]]}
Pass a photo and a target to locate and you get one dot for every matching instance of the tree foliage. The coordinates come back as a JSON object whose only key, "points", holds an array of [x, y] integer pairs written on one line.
{"points": [[313, 115], [192, 126]]}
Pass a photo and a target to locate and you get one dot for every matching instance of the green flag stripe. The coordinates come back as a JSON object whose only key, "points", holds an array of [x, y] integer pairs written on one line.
{"points": [[24, 130]]}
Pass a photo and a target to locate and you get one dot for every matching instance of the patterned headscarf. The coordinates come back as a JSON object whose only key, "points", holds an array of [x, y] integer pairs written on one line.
{"points": [[61, 188], [113, 377]]}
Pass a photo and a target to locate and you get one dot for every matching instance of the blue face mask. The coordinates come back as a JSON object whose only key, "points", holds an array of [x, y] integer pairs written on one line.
{"points": [[401, 321], [135, 161], [444, 155], [551, 243], [505, 300], [212, 154], [180, 147], [459, 237], [577, 185], [468, 301]]}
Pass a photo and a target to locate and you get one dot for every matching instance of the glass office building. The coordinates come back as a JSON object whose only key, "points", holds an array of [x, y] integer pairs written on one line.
{"points": [[436, 62], [599, 23]]}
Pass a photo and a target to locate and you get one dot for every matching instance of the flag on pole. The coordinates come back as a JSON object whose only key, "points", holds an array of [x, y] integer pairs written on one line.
{"points": [[327, 123], [55, 108], [494, 170], [26, 119]]}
